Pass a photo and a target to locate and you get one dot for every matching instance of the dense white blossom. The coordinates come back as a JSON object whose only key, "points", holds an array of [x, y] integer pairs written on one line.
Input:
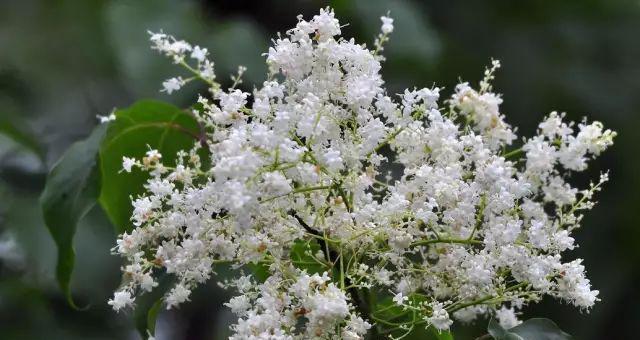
{"points": [[296, 184]]}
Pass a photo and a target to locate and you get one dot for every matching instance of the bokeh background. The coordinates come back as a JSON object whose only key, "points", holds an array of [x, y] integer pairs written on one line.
{"points": [[64, 62]]}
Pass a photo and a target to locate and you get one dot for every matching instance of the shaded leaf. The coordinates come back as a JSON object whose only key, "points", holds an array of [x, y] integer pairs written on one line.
{"points": [[499, 333], [532, 329], [71, 190], [152, 316], [148, 307], [540, 329]]}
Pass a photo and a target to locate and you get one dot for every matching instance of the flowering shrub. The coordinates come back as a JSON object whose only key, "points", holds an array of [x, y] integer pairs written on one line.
{"points": [[348, 211]]}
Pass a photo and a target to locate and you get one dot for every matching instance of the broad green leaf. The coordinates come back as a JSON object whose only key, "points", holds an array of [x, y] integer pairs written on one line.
{"points": [[260, 271], [532, 329], [71, 190], [145, 125]]}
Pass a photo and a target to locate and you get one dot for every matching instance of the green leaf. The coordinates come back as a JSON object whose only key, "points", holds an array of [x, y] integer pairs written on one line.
{"points": [[152, 316], [540, 329], [260, 271], [71, 190], [532, 329], [146, 124], [301, 256], [386, 309]]}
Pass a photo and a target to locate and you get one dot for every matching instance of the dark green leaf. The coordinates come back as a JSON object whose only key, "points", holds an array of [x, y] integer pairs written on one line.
{"points": [[532, 329], [71, 190], [260, 271], [386, 309], [152, 316], [146, 124], [443, 335], [422, 333], [301, 256]]}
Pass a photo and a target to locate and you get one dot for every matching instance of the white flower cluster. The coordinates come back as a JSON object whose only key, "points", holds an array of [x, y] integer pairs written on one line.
{"points": [[272, 310], [468, 229]]}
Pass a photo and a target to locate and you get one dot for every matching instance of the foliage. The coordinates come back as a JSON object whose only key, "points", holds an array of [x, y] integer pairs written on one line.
{"points": [[89, 171], [72, 190], [143, 126]]}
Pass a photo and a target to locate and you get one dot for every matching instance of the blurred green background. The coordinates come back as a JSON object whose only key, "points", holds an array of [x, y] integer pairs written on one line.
{"points": [[64, 62]]}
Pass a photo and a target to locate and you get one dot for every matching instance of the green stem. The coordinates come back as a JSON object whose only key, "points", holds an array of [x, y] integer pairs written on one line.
{"points": [[479, 216], [446, 240], [485, 299], [198, 75], [297, 191], [386, 141], [513, 153]]}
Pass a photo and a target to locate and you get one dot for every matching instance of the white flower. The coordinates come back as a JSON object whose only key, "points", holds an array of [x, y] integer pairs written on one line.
{"points": [[399, 299], [147, 282], [177, 295], [325, 24], [128, 163], [239, 304], [358, 325], [387, 24], [232, 102], [121, 299], [327, 307], [276, 184], [105, 119], [172, 84], [439, 317], [541, 156], [332, 159], [199, 54]]}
